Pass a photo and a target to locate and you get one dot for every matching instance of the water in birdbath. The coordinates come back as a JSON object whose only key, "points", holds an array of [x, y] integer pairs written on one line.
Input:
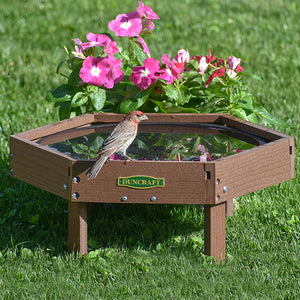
{"points": [[158, 141]]}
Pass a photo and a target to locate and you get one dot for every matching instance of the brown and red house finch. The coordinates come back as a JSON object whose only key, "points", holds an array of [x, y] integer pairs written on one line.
{"points": [[118, 141]]}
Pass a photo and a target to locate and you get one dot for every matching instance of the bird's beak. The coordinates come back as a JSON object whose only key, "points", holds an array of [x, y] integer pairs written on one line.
{"points": [[144, 117]]}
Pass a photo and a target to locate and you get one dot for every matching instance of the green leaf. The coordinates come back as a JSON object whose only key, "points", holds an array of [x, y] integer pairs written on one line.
{"points": [[74, 76], [245, 114], [190, 75], [246, 102], [79, 148], [250, 75], [96, 144], [252, 118], [64, 110], [240, 112], [79, 99], [179, 94], [268, 118], [193, 64], [60, 94], [134, 102], [138, 52], [98, 97], [169, 107]]}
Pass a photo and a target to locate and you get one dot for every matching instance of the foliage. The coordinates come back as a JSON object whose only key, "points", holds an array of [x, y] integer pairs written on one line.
{"points": [[146, 251], [105, 76]]}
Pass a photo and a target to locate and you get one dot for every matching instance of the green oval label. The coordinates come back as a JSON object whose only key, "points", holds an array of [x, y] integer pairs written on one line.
{"points": [[141, 182]]}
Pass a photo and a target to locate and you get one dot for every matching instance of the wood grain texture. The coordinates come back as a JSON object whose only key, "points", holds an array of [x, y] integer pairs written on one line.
{"points": [[161, 117], [230, 207], [215, 231], [40, 166], [184, 184], [43, 131], [261, 131], [77, 228], [253, 170]]}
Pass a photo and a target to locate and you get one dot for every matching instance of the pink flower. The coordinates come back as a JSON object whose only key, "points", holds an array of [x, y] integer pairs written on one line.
{"points": [[181, 59], [201, 148], [233, 62], [95, 40], [234, 66], [101, 71], [146, 11], [111, 48], [167, 75], [116, 157], [92, 71], [126, 24], [203, 65], [148, 26], [141, 41], [172, 70], [204, 61], [235, 150], [144, 76], [205, 157], [183, 56], [78, 49], [115, 75]]}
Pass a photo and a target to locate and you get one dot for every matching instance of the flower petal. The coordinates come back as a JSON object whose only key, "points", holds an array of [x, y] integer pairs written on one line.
{"points": [[217, 73]]}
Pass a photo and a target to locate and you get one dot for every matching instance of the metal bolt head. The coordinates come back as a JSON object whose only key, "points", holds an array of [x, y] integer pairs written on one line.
{"points": [[65, 187], [153, 198], [11, 156], [11, 171], [225, 189], [75, 195], [76, 179], [124, 198]]}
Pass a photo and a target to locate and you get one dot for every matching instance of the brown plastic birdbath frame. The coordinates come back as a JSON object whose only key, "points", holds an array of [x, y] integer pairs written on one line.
{"points": [[213, 184]]}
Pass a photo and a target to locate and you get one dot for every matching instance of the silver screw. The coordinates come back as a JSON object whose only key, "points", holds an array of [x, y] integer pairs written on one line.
{"points": [[225, 189], [76, 179], [124, 198], [11, 171], [153, 198], [11, 156], [75, 195], [65, 187]]}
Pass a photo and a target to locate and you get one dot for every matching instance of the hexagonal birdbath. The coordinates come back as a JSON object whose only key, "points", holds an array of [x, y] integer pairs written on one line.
{"points": [[213, 184]]}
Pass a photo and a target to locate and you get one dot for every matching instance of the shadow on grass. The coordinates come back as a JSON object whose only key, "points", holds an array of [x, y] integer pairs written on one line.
{"points": [[141, 225], [31, 218]]}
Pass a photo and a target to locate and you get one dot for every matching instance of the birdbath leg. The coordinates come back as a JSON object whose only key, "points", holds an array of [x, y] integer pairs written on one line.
{"points": [[77, 228], [229, 207], [215, 230]]}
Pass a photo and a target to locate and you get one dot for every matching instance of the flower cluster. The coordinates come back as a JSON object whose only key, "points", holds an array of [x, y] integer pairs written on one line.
{"points": [[106, 71], [120, 75]]}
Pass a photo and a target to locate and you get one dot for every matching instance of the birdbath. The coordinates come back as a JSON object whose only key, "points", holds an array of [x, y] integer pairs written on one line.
{"points": [[165, 170]]}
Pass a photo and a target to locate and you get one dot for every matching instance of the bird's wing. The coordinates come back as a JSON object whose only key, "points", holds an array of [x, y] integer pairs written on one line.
{"points": [[117, 138]]}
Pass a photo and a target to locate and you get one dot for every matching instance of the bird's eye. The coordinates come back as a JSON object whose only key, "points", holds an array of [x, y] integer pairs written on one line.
{"points": [[138, 115]]}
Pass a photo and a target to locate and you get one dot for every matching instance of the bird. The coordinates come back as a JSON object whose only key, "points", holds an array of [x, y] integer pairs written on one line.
{"points": [[118, 141]]}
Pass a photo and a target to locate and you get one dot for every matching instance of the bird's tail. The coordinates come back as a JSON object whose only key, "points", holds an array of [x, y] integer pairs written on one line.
{"points": [[96, 167]]}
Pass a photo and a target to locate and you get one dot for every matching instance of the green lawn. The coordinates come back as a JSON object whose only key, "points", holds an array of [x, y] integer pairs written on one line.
{"points": [[144, 251]]}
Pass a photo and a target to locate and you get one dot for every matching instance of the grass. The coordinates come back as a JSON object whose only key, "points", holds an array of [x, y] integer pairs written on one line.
{"points": [[142, 251]]}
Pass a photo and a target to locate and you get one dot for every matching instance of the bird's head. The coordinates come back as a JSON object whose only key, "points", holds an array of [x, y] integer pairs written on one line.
{"points": [[136, 116]]}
